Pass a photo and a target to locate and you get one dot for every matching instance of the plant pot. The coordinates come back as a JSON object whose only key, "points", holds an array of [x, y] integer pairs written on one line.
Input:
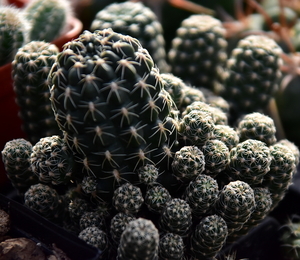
{"points": [[11, 123]]}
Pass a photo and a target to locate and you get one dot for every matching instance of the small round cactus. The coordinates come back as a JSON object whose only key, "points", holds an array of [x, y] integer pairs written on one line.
{"points": [[227, 134], [188, 163], [176, 217], [148, 174], [171, 246], [250, 161], [91, 219], [139, 241], [128, 198], [208, 237], [235, 204], [201, 194], [257, 126]]}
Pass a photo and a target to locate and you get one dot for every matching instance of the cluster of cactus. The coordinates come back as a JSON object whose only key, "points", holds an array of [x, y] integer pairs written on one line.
{"points": [[39, 20], [147, 166]]}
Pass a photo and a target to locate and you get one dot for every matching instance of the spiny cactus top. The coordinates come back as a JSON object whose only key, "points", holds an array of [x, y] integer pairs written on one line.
{"points": [[156, 198], [257, 126], [201, 194], [208, 237], [176, 217], [198, 51], [148, 174], [139, 241], [253, 74], [95, 237], [171, 246], [108, 99], [190, 95], [294, 148], [227, 134], [188, 163], [235, 204], [250, 161], [137, 20], [47, 18], [91, 219], [51, 160], [13, 33], [30, 69]]}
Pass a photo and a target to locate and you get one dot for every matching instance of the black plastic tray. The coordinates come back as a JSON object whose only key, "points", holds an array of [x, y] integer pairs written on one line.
{"points": [[26, 223]]}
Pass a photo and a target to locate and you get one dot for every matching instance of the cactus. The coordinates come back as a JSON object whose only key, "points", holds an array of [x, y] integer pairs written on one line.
{"points": [[13, 27], [253, 72], [76, 208], [188, 163], [148, 174], [139, 241], [250, 162], [47, 18], [216, 156], [227, 134], [171, 246], [16, 159], [118, 224], [282, 169], [128, 198], [30, 69], [52, 161], [112, 107], [45, 201], [201, 194], [208, 237], [137, 20], [91, 219], [235, 204], [176, 217], [198, 51], [156, 198], [257, 126]]}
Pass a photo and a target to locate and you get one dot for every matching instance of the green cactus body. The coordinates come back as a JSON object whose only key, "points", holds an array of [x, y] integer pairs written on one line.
{"points": [[250, 161], [293, 147], [253, 74], [257, 126], [139, 241], [208, 237], [92, 219], [52, 161], [16, 159], [45, 201], [216, 156], [47, 18], [76, 209], [156, 198], [137, 20], [148, 174], [198, 51], [176, 217], [171, 246], [128, 199], [227, 134], [30, 69], [201, 194], [118, 224], [235, 204], [13, 33], [280, 176], [188, 163], [109, 100]]}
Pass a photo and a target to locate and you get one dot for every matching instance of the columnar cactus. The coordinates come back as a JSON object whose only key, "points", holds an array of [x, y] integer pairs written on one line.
{"points": [[52, 161], [235, 204], [208, 237], [139, 241], [201, 194], [128, 198], [137, 20], [16, 159], [176, 217], [30, 69], [109, 100], [257, 126], [47, 18], [171, 246], [188, 163], [13, 33], [250, 161], [198, 52], [216, 156], [253, 74]]}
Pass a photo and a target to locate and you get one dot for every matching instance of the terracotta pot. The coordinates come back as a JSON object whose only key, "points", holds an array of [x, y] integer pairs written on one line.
{"points": [[11, 126]]}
